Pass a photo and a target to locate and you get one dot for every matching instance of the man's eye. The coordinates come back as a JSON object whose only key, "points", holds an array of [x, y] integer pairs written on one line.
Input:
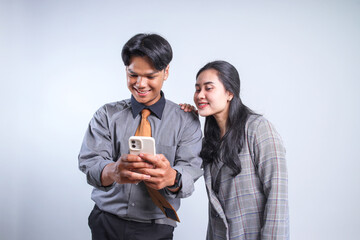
{"points": [[133, 75], [150, 77]]}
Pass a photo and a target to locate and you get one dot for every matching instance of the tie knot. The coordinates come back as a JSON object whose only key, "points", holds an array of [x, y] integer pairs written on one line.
{"points": [[145, 113]]}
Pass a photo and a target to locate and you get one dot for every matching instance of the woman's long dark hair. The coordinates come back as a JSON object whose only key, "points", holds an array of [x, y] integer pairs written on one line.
{"points": [[229, 146]]}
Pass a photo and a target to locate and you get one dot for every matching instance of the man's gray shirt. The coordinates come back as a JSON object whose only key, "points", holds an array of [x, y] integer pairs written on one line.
{"points": [[178, 137]]}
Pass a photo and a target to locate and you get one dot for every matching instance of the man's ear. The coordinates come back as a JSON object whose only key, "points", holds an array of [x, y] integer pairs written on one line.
{"points": [[166, 72]]}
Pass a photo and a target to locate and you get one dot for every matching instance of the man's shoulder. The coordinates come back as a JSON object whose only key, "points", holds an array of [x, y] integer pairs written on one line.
{"points": [[174, 108], [170, 105], [119, 105], [115, 107]]}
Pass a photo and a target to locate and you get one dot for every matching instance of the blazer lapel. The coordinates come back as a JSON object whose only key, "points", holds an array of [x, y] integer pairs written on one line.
{"points": [[213, 200], [215, 171]]}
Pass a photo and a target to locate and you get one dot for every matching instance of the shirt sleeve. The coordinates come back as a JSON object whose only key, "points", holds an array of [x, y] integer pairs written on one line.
{"points": [[187, 159], [96, 149], [272, 170]]}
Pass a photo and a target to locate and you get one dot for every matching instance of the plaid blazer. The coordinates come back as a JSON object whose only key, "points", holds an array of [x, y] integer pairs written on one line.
{"points": [[253, 204]]}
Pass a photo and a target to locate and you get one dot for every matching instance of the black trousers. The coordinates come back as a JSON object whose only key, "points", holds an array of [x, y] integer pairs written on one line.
{"points": [[106, 226]]}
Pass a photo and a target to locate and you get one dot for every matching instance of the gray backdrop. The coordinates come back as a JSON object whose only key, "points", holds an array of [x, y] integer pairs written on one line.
{"points": [[60, 62]]}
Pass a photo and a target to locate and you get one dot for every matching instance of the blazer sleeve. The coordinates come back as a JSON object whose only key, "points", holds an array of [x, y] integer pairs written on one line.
{"points": [[272, 170]]}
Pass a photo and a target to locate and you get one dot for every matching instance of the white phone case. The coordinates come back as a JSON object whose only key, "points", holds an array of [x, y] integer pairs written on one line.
{"points": [[139, 144]]}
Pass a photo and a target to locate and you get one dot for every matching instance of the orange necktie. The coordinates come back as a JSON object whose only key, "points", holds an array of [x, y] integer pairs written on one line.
{"points": [[144, 129]]}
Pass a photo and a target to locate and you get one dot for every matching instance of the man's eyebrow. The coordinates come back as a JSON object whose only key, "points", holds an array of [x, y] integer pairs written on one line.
{"points": [[147, 74]]}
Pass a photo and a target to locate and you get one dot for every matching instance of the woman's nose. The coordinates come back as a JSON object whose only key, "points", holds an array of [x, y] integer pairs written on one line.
{"points": [[200, 94]]}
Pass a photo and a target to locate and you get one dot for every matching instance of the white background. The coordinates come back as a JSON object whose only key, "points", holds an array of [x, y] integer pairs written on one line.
{"points": [[299, 64]]}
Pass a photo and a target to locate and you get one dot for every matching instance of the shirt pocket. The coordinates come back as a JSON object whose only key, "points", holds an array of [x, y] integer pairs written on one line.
{"points": [[168, 151]]}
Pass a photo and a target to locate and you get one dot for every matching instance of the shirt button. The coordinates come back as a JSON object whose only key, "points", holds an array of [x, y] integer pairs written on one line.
{"points": [[133, 204]]}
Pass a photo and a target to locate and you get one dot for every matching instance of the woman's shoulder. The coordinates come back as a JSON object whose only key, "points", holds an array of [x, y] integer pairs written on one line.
{"points": [[254, 120], [258, 123], [258, 127]]}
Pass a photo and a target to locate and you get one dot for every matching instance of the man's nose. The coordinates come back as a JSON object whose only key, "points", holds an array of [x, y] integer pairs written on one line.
{"points": [[141, 81]]}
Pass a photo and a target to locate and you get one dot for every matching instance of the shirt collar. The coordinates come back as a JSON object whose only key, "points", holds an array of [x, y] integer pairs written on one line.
{"points": [[157, 108]]}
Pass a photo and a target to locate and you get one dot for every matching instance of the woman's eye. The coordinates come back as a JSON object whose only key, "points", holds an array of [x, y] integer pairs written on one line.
{"points": [[208, 89], [133, 75]]}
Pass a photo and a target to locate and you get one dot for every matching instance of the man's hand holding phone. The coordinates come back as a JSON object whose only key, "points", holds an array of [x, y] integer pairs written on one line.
{"points": [[125, 170], [162, 174], [142, 164]]}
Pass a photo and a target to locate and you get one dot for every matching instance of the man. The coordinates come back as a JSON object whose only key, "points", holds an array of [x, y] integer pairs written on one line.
{"points": [[122, 182]]}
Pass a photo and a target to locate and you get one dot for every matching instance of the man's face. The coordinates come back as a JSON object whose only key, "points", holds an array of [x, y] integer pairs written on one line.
{"points": [[144, 81]]}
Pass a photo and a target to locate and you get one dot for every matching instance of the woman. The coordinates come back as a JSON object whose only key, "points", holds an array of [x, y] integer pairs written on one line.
{"points": [[244, 161]]}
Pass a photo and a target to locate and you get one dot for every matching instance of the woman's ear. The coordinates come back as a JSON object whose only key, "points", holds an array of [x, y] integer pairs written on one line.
{"points": [[230, 96]]}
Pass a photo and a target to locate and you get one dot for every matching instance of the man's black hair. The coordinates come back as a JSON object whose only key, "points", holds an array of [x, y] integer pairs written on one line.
{"points": [[153, 46]]}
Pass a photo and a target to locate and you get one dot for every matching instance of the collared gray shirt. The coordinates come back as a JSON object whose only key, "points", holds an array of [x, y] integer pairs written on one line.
{"points": [[177, 135]]}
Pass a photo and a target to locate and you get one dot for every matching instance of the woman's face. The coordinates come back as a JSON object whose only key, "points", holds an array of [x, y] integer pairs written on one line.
{"points": [[211, 97]]}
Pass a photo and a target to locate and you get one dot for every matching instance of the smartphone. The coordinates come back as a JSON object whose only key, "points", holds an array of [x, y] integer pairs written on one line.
{"points": [[139, 144]]}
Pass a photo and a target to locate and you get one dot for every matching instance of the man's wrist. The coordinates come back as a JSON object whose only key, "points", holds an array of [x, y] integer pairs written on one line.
{"points": [[106, 179], [177, 181]]}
